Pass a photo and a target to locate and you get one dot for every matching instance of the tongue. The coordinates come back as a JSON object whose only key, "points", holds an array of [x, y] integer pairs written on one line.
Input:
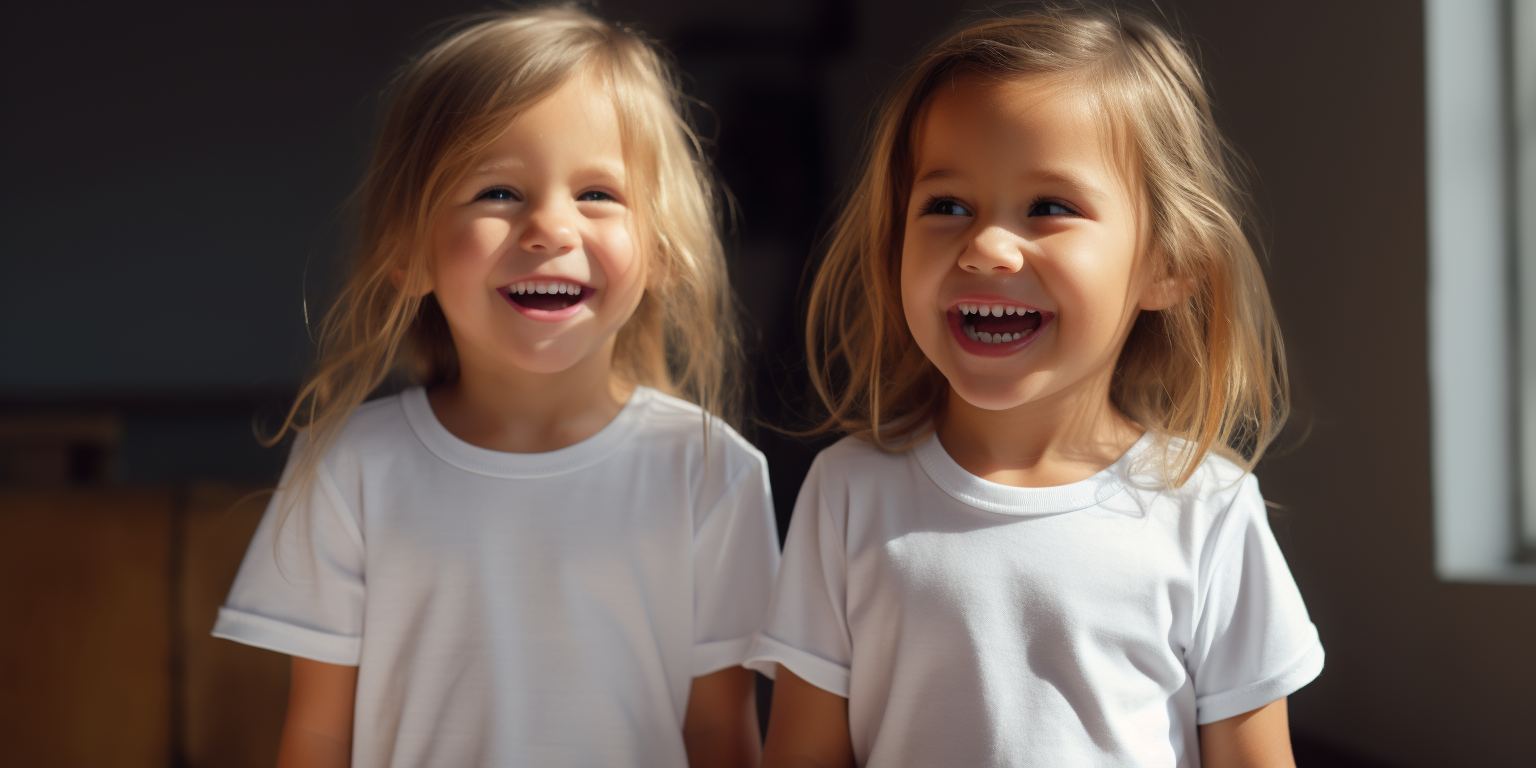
{"points": [[545, 301], [1009, 323]]}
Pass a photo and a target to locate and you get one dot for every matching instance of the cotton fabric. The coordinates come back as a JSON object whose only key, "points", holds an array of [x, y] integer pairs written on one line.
{"points": [[518, 609], [977, 624]]}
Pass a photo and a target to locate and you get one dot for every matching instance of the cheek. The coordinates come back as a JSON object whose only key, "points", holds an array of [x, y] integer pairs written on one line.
{"points": [[1100, 289], [618, 255], [920, 273], [464, 249], [911, 282]]}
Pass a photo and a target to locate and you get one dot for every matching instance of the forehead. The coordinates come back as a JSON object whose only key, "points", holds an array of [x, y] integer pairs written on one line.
{"points": [[583, 103], [573, 127], [1032, 124]]}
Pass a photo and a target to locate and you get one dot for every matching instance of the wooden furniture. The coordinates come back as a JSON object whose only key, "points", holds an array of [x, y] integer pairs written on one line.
{"points": [[108, 596]]}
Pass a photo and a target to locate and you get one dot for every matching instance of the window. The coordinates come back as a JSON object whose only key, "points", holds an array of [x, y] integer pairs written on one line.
{"points": [[1521, 111], [1482, 286]]}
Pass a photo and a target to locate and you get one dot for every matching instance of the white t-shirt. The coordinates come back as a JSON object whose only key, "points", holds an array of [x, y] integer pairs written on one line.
{"points": [[519, 609], [977, 624]]}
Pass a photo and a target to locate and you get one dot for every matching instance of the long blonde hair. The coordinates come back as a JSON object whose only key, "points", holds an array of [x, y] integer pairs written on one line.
{"points": [[445, 107], [1209, 370]]}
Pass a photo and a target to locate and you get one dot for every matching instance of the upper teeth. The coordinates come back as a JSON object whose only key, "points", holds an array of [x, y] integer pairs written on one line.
{"points": [[995, 310], [544, 286]]}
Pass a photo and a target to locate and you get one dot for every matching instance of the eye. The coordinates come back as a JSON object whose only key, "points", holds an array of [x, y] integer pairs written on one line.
{"points": [[595, 196], [1051, 208], [500, 195], [944, 206]]}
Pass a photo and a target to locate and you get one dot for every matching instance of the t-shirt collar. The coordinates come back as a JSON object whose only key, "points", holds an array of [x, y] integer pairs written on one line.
{"points": [[1010, 500], [437, 439]]}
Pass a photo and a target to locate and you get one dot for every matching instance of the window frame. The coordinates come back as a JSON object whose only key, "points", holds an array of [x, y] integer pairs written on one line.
{"points": [[1521, 119], [1482, 384]]}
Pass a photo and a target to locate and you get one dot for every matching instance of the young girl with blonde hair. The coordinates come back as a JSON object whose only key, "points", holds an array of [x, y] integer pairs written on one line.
{"points": [[1043, 329], [552, 551]]}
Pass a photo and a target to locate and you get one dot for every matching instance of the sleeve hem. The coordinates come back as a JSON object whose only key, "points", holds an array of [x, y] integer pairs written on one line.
{"points": [[719, 654], [826, 675], [280, 636], [1220, 706]]}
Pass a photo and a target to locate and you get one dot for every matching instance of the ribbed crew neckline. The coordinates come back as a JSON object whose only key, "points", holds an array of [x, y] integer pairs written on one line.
{"points": [[969, 489], [449, 448]]}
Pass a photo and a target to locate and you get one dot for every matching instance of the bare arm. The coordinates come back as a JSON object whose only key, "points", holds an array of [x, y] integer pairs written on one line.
{"points": [[1257, 739], [808, 727], [720, 727], [318, 730]]}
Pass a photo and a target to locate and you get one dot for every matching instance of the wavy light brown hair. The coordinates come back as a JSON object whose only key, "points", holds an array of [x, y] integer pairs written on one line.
{"points": [[444, 109], [1209, 370]]}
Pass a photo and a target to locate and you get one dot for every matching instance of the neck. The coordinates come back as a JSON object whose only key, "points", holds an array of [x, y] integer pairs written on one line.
{"points": [[517, 411], [1059, 439]]}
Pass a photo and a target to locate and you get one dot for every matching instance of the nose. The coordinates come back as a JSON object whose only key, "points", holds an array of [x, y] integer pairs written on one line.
{"points": [[994, 251], [550, 228]]}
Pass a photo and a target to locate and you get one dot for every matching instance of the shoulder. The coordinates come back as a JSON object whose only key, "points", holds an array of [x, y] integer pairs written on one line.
{"points": [[376, 423], [722, 473], [667, 422], [855, 467], [375, 429], [857, 454], [1217, 492], [1215, 478]]}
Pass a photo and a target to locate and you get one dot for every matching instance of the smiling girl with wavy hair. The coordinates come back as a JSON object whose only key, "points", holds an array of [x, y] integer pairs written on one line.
{"points": [[1048, 340], [552, 550]]}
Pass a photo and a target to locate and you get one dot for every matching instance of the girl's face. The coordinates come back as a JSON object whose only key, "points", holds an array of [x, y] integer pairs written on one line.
{"points": [[1022, 262], [535, 262]]}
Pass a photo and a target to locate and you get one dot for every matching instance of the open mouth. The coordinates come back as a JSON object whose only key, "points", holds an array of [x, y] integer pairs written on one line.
{"points": [[547, 295], [997, 323]]}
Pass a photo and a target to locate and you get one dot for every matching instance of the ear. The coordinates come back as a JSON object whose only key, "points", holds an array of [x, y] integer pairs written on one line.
{"points": [[1166, 291], [399, 277], [658, 276], [1166, 288]]}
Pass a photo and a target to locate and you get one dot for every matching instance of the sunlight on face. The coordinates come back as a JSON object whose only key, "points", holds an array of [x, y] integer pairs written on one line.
{"points": [[1021, 266], [535, 262]]}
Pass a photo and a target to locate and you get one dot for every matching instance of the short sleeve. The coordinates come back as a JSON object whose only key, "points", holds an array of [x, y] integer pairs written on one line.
{"points": [[1252, 642], [807, 629], [300, 591], [735, 557]]}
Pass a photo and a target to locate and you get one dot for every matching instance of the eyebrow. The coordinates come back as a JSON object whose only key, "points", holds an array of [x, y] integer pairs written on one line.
{"points": [[1077, 184], [613, 171], [937, 174], [499, 165]]}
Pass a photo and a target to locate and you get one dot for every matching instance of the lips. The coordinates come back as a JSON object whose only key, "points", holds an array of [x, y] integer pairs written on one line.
{"points": [[547, 299], [995, 329]]}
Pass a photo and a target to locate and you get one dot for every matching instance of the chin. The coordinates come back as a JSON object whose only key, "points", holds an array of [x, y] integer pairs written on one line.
{"points": [[543, 366], [991, 395], [547, 360]]}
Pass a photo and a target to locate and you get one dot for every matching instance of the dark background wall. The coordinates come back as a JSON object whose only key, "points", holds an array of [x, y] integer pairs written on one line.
{"points": [[172, 198], [1328, 101]]}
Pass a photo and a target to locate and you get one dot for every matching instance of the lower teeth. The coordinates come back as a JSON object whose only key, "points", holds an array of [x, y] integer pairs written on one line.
{"points": [[990, 338]]}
